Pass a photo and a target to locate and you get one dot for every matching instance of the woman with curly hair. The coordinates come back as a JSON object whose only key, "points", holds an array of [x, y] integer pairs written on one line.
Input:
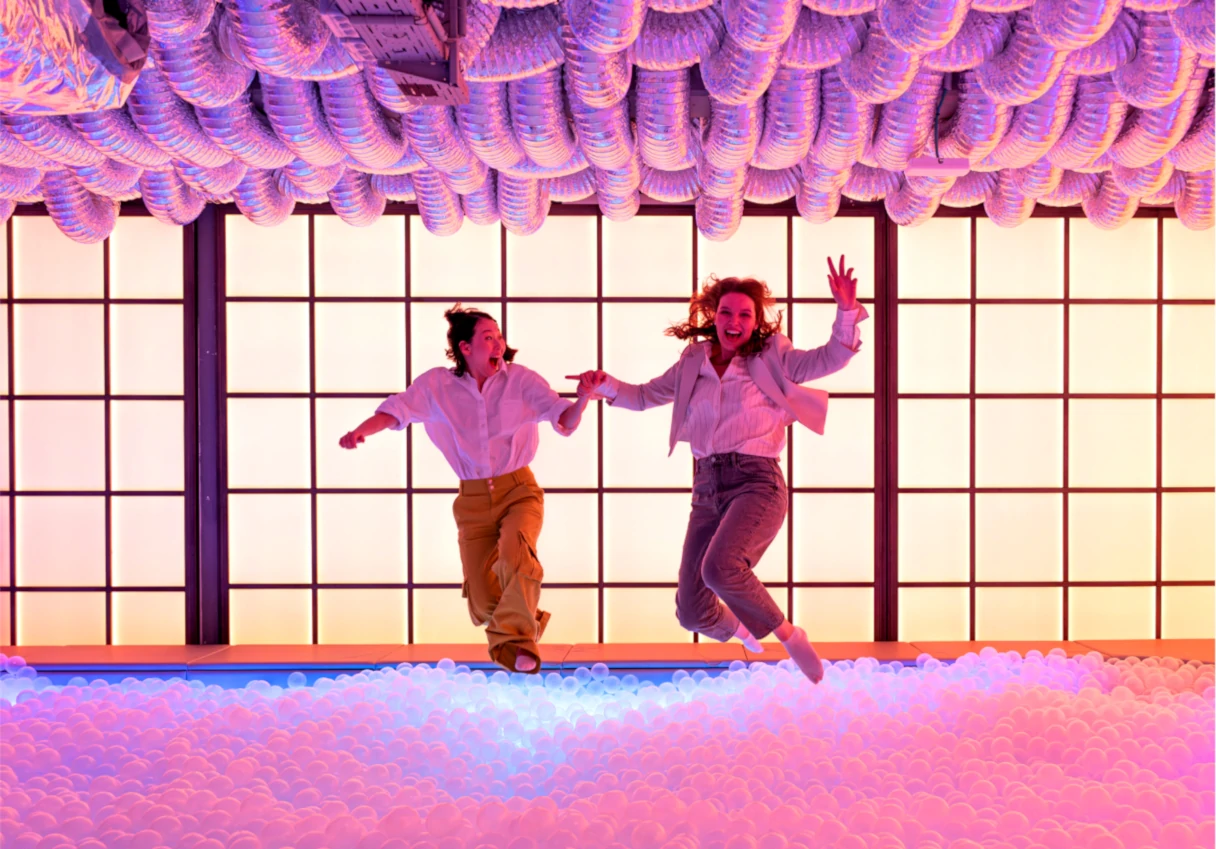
{"points": [[735, 389], [482, 414]]}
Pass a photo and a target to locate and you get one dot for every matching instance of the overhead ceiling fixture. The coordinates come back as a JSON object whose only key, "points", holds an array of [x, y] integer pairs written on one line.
{"points": [[419, 48], [937, 165]]}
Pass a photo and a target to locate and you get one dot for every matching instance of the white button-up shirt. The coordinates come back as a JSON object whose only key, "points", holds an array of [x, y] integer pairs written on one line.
{"points": [[481, 433]]}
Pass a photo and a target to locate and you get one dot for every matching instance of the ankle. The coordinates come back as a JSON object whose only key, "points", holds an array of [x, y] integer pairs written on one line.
{"points": [[785, 631]]}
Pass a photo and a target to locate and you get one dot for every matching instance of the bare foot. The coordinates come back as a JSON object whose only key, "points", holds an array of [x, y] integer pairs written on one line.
{"points": [[803, 653], [749, 642], [524, 663]]}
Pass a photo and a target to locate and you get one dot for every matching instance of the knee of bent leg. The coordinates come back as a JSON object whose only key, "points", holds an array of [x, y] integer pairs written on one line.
{"points": [[717, 569], [515, 551]]}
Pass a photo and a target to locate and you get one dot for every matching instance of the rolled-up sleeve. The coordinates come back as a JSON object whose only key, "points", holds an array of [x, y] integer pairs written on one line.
{"points": [[543, 403], [412, 405], [845, 328]]}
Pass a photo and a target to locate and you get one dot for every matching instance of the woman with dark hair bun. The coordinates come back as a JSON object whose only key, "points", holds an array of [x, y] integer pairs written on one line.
{"points": [[482, 414], [735, 389]]}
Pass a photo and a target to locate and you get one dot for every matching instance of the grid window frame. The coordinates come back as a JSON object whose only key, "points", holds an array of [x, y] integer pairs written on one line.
{"points": [[1159, 397], [108, 300], [786, 303]]}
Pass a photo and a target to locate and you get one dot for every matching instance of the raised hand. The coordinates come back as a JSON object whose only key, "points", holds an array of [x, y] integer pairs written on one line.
{"points": [[588, 383], [843, 285]]}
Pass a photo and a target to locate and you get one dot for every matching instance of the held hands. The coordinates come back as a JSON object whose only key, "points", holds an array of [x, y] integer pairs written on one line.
{"points": [[589, 383], [843, 285]]}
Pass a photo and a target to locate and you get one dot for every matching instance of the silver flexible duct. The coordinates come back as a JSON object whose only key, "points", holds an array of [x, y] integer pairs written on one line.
{"points": [[718, 218], [1168, 194], [80, 215], [259, 199], [820, 40], [480, 21], [212, 181], [595, 79], [283, 38], [671, 186], [361, 127], [670, 42], [678, 5], [1035, 128], [734, 132], [524, 43], [17, 155], [245, 133], [840, 8], [199, 73], [982, 36], [16, 183], [298, 178], [485, 126], [1074, 187], [866, 184], [971, 189], [1149, 134], [178, 21], [760, 25], [1110, 207], [1026, 69], [1142, 182], [294, 110], [481, 205], [531, 171], [1163, 65], [664, 129], [1098, 113], [845, 125], [907, 208], [538, 115], [577, 186], [1113, 50], [1195, 206], [930, 187], [6, 209], [882, 71], [170, 123], [734, 75], [1195, 25], [606, 26], [169, 199], [1037, 178], [922, 26], [439, 206], [977, 125], [52, 137], [604, 135], [356, 200], [906, 123], [817, 207], [114, 134], [522, 204], [1154, 5], [1197, 150], [386, 91], [818, 177], [435, 138], [1072, 24], [721, 182], [791, 119], [468, 178], [1006, 206], [395, 187]]}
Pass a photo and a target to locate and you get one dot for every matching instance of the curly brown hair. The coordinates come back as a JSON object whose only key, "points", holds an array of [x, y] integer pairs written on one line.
{"points": [[703, 308], [462, 321]]}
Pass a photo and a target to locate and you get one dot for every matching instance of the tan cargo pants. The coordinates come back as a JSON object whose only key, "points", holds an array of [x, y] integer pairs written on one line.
{"points": [[498, 522]]}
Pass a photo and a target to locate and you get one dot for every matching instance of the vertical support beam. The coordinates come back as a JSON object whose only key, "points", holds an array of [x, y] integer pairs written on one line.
{"points": [[212, 578], [886, 575]]}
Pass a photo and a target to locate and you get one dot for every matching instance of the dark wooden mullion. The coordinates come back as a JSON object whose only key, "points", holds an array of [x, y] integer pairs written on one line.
{"points": [[599, 430], [789, 431], [11, 447], [1157, 546], [107, 430], [971, 402], [409, 449], [1064, 532], [889, 572], [312, 419], [190, 458]]}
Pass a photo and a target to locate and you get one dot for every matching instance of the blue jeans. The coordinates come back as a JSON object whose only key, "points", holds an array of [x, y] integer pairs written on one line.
{"points": [[738, 504]]}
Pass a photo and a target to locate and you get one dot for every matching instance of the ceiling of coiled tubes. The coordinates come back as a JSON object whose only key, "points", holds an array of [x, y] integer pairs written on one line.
{"points": [[1106, 104]]}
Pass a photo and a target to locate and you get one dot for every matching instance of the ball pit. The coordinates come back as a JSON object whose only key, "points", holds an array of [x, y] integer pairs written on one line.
{"points": [[993, 750]]}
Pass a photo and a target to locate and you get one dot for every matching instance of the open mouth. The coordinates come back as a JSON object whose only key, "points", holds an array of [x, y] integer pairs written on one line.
{"points": [[494, 362], [734, 335]]}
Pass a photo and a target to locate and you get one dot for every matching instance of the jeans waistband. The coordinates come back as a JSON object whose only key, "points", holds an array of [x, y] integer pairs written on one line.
{"points": [[730, 459]]}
